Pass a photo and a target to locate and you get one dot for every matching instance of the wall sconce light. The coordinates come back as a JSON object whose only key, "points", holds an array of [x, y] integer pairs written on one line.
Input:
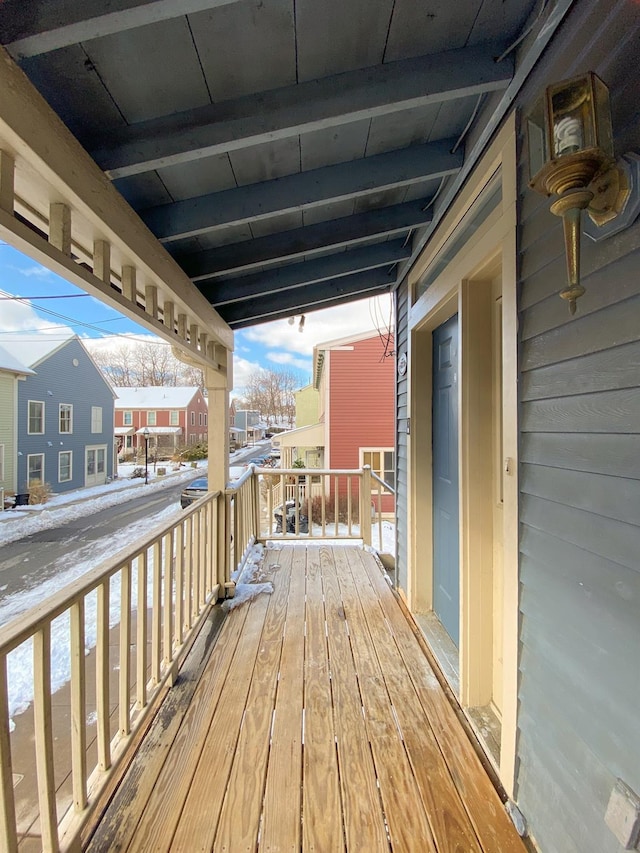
{"points": [[571, 156]]}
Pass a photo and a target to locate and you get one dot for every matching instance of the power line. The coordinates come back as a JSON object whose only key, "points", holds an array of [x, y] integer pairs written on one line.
{"points": [[59, 296], [129, 337]]}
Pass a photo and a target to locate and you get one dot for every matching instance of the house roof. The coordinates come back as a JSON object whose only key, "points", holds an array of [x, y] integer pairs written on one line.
{"points": [[160, 430], [305, 152], [155, 397], [306, 436], [32, 349], [11, 363]]}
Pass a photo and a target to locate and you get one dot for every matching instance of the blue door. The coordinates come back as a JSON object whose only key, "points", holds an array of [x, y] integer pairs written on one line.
{"points": [[446, 570]]}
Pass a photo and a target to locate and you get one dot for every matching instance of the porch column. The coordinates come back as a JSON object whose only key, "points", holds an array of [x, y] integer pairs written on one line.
{"points": [[218, 384]]}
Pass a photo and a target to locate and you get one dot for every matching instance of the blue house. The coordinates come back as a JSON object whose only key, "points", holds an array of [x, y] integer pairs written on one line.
{"points": [[65, 415]]}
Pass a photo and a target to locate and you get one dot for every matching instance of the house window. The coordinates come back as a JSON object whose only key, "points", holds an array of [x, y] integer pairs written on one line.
{"points": [[64, 466], [36, 417], [382, 463], [151, 419], [96, 418], [193, 418], [199, 418], [100, 460], [35, 467], [1, 462], [65, 418], [205, 418], [127, 418], [174, 418]]}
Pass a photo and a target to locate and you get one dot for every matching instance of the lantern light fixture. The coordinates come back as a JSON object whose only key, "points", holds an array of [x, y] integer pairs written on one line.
{"points": [[570, 142]]}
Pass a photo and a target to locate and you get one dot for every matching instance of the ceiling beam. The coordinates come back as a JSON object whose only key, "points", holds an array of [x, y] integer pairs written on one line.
{"points": [[303, 190], [303, 299], [303, 242], [315, 105], [298, 275], [86, 21]]}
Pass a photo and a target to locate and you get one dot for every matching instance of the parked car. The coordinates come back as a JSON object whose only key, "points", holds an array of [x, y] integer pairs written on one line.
{"points": [[194, 491]]}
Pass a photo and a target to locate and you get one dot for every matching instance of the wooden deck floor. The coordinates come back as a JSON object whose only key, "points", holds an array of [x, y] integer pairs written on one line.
{"points": [[314, 723]]}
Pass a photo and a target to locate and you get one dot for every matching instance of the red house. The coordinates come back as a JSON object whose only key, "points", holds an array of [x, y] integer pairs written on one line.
{"points": [[355, 378], [173, 417]]}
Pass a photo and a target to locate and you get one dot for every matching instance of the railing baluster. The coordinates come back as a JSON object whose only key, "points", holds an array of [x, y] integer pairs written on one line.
{"points": [[141, 632], [323, 510], [102, 676], [167, 638], [349, 506], [205, 553], [8, 834], [335, 508], [196, 565], [179, 617], [156, 605], [44, 738], [124, 680], [188, 576], [78, 707]]}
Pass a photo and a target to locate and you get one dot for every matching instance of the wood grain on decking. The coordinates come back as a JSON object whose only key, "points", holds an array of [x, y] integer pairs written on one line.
{"points": [[317, 724]]}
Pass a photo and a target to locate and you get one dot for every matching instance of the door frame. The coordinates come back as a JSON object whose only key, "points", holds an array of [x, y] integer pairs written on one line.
{"points": [[462, 287]]}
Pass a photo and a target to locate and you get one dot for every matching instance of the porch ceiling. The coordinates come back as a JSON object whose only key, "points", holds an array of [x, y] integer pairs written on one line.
{"points": [[287, 153]]}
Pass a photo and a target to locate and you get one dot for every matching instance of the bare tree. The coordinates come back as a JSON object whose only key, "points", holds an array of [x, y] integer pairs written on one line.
{"points": [[144, 364], [271, 392]]}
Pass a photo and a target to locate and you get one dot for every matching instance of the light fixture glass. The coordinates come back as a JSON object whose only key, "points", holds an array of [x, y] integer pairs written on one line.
{"points": [[301, 325], [570, 146]]}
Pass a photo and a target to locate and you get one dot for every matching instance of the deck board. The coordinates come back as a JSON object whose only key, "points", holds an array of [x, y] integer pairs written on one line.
{"points": [[317, 725]]}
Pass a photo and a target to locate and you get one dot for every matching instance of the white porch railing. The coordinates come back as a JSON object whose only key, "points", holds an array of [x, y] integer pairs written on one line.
{"points": [[146, 606], [149, 603]]}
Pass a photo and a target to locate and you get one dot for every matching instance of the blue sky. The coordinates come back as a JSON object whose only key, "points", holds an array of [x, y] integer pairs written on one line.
{"points": [[67, 309]]}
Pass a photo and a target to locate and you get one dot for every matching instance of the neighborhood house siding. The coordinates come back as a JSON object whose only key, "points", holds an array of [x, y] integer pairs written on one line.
{"points": [[579, 689], [361, 404], [58, 379], [7, 431]]}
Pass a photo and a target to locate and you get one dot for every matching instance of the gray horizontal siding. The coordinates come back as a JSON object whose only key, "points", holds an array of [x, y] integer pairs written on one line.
{"points": [[579, 420], [615, 455], [402, 410]]}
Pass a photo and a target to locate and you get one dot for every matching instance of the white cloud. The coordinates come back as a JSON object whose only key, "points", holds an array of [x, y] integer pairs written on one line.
{"points": [[36, 271], [290, 360], [19, 316], [327, 324], [126, 339], [242, 370]]}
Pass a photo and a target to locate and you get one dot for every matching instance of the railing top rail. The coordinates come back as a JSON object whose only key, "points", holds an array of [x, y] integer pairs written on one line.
{"points": [[234, 485], [388, 487], [301, 472], [25, 625]]}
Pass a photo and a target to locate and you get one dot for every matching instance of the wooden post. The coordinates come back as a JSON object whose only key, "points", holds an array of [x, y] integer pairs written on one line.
{"points": [[102, 260], [7, 173], [129, 285], [168, 314], [365, 505], [151, 300], [8, 836], [60, 227], [78, 707]]}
